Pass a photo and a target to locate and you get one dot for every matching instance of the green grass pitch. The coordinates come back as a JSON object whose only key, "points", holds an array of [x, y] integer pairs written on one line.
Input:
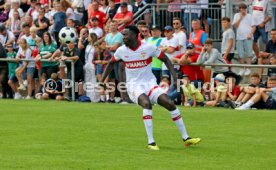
{"points": [[66, 135]]}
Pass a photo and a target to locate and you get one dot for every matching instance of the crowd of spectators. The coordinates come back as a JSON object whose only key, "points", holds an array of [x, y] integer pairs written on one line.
{"points": [[29, 29]]}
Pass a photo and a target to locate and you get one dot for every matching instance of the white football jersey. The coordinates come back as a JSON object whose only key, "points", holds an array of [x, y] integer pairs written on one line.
{"points": [[138, 62]]}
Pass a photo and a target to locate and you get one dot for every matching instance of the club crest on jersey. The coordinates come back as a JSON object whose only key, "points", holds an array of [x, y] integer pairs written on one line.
{"points": [[143, 54]]}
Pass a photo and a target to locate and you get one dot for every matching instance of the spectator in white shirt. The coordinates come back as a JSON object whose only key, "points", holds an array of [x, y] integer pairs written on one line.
{"points": [[243, 24], [96, 29], [261, 16], [169, 46], [180, 35], [6, 36]]}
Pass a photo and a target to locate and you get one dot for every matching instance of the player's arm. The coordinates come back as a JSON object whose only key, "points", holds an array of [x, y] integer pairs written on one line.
{"points": [[169, 65], [108, 69]]}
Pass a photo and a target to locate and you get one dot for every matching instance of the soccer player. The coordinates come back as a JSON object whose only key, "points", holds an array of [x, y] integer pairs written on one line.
{"points": [[141, 83]]}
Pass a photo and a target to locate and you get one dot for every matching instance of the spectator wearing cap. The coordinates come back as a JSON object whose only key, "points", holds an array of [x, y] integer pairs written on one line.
{"points": [[192, 95], [129, 7], [219, 91], [194, 72], [42, 23], [269, 51], [156, 63], [169, 46], [124, 18], [262, 20], [6, 36], [96, 13], [95, 28], [243, 24], [180, 35]]}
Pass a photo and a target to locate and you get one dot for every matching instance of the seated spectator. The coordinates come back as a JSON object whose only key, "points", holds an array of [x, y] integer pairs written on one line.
{"points": [[95, 28], [67, 8], [104, 6], [247, 92], [192, 96], [210, 55], [13, 82], [265, 95], [129, 7], [52, 88], [272, 71], [194, 72], [270, 49], [232, 93], [123, 18], [219, 91], [139, 5], [112, 10], [165, 83], [15, 7]]}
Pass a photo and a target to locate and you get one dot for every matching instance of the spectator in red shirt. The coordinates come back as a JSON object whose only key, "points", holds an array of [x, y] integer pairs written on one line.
{"points": [[232, 93], [96, 13], [123, 18], [194, 72]]}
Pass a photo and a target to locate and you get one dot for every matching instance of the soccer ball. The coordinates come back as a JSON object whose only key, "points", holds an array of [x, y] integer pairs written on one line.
{"points": [[67, 35]]}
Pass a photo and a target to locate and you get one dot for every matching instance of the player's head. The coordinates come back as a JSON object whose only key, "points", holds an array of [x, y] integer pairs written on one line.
{"points": [[255, 79], [130, 34]]}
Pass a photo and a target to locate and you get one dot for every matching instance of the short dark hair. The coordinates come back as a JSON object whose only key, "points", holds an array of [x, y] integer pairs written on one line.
{"points": [[133, 29], [242, 6], [226, 19], [26, 25], [209, 41], [255, 75], [177, 19], [274, 29], [141, 22]]}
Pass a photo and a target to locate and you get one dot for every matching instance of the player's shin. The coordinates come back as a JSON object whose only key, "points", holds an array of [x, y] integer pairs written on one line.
{"points": [[147, 117], [176, 117]]}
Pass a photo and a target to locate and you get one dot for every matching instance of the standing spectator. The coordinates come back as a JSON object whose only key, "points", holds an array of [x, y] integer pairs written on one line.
{"points": [[123, 18], [191, 12], [198, 36], [59, 21], [46, 49], [180, 35], [14, 24], [270, 50], [104, 6], [71, 52], [89, 68], [25, 52], [6, 36], [114, 40], [140, 24], [96, 13], [42, 23], [145, 33], [173, 9], [67, 8], [261, 17], [4, 15], [95, 28], [228, 40], [85, 12], [11, 54], [15, 7], [169, 46], [82, 43], [242, 22], [156, 63], [139, 4]]}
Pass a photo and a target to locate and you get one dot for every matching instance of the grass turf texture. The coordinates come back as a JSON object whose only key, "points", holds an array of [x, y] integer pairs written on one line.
{"points": [[64, 135]]}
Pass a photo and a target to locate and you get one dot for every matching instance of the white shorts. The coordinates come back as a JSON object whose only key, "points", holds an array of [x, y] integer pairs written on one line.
{"points": [[150, 89]]}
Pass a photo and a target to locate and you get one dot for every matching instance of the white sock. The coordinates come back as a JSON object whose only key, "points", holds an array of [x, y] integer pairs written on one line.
{"points": [[249, 103], [147, 117], [107, 97], [102, 98], [176, 117]]}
